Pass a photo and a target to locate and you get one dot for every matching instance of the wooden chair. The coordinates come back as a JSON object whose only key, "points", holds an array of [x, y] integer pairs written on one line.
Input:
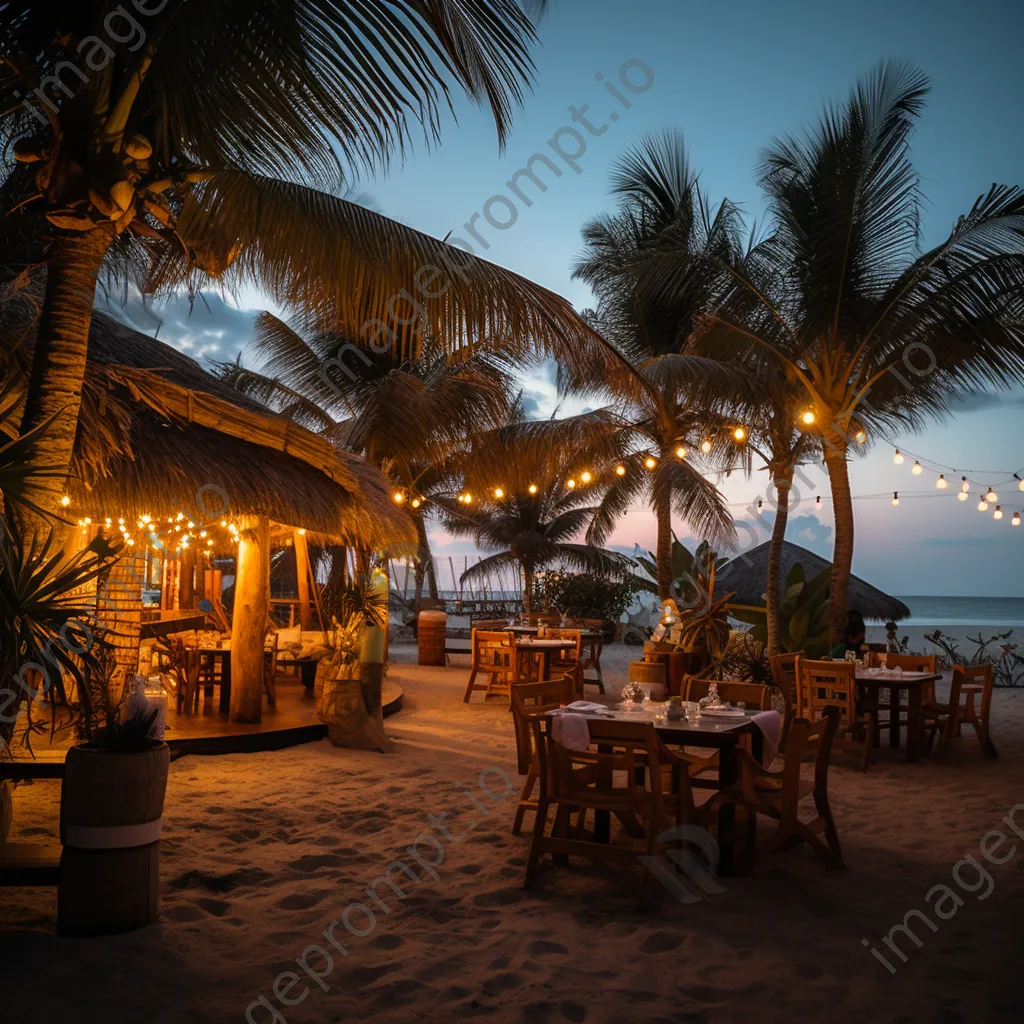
{"points": [[592, 648], [908, 663], [784, 677], [528, 701], [568, 660], [184, 670], [778, 794], [270, 666], [612, 781], [494, 654], [823, 684], [968, 681]]}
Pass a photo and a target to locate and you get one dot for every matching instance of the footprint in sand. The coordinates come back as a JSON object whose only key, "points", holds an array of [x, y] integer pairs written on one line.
{"points": [[311, 861], [661, 942], [218, 908], [573, 1011], [303, 900], [542, 948]]}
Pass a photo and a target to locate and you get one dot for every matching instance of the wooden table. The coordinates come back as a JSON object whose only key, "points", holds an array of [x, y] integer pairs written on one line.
{"points": [[914, 683], [223, 655], [725, 735], [543, 649]]}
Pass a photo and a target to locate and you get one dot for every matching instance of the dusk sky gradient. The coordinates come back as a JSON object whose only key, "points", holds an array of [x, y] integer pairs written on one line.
{"points": [[731, 76]]}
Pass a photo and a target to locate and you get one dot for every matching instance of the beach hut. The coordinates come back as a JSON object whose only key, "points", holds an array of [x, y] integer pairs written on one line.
{"points": [[161, 439], [746, 574]]}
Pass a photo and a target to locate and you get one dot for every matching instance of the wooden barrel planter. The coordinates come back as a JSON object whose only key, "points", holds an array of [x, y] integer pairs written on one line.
{"points": [[432, 632], [111, 811]]}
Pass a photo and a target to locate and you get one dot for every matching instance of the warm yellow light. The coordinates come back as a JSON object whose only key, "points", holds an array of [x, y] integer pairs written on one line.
{"points": [[130, 541], [499, 493], [190, 525], [962, 496], [202, 533], [983, 505], [620, 470], [81, 522], [898, 458], [180, 516], [469, 498], [532, 488], [301, 531], [895, 497], [65, 500], [964, 485], [223, 522], [570, 483], [808, 418], [399, 497], [1020, 485], [991, 496], [586, 477], [1015, 521], [998, 514], [705, 446], [87, 521], [917, 469], [681, 452], [146, 519], [209, 543], [416, 502], [739, 434], [860, 437], [942, 483], [650, 462]]}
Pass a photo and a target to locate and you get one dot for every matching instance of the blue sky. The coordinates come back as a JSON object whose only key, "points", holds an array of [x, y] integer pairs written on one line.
{"points": [[732, 76]]}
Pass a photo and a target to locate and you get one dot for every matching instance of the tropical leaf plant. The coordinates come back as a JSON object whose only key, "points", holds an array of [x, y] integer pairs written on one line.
{"points": [[803, 614]]}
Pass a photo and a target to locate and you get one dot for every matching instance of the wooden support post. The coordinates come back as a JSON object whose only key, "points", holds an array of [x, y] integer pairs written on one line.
{"points": [[249, 620], [186, 586], [302, 575]]}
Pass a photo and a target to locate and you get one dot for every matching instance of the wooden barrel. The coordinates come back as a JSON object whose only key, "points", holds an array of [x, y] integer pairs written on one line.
{"points": [[648, 673], [111, 810], [432, 631]]}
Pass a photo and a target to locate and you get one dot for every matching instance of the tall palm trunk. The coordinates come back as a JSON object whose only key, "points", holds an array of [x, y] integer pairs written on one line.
{"points": [[425, 559], [773, 584], [58, 364], [663, 512], [528, 580], [842, 554]]}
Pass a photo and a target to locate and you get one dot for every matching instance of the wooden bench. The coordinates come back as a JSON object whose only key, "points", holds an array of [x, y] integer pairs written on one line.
{"points": [[30, 863]]}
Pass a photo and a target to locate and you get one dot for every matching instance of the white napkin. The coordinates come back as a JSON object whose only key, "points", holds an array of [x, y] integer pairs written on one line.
{"points": [[770, 724], [570, 730]]}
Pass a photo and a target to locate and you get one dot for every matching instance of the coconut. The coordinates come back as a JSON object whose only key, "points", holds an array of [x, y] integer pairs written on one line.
{"points": [[122, 194], [28, 151], [138, 147]]}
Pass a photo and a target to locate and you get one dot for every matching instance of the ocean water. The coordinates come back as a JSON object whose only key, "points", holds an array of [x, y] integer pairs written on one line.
{"points": [[984, 612]]}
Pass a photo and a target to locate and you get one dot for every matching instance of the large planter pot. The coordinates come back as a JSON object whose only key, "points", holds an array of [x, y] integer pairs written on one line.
{"points": [[349, 704], [111, 812]]}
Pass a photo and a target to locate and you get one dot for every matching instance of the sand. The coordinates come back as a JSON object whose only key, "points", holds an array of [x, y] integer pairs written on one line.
{"points": [[261, 853]]}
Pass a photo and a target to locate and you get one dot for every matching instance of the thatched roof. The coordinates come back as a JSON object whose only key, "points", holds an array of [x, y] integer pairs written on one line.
{"points": [[161, 428], [748, 571]]}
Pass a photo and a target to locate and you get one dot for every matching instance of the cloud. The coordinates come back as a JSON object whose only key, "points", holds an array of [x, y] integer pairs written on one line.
{"points": [[978, 401], [208, 328]]}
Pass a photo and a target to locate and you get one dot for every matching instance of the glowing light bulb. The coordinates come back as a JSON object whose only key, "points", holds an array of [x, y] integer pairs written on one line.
{"points": [[209, 543], [499, 493], [998, 514], [586, 477], [963, 496], [817, 501], [808, 418], [202, 533], [942, 483], [147, 520], [964, 485], [469, 498], [130, 541], [87, 521], [860, 437], [983, 505], [650, 462], [416, 502], [532, 488], [399, 497], [898, 458], [760, 506], [570, 483], [681, 452], [991, 495], [65, 500], [620, 470], [1020, 484], [705, 446], [190, 525], [739, 434], [1015, 521], [895, 497], [223, 522], [917, 469], [180, 516]]}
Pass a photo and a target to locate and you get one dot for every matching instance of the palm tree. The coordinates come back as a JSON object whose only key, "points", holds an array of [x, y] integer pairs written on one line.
{"points": [[214, 144], [522, 505], [406, 417], [872, 331], [669, 401]]}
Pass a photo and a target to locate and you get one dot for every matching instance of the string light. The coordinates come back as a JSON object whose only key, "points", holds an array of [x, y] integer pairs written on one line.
{"points": [[964, 484], [983, 505], [650, 462], [65, 500], [499, 493], [586, 477], [1015, 521], [998, 514], [705, 446], [817, 501], [898, 458], [681, 452], [808, 418], [760, 505], [620, 470], [991, 496], [301, 531], [917, 469], [739, 434], [895, 497], [942, 483], [532, 488], [860, 437], [469, 498], [571, 484], [399, 497], [1020, 482], [416, 502]]}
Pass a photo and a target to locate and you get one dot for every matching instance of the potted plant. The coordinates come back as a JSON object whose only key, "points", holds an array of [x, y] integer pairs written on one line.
{"points": [[111, 810]]}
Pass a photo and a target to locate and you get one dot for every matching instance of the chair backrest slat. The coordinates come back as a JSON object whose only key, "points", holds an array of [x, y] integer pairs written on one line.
{"points": [[823, 684], [530, 700], [752, 694]]}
